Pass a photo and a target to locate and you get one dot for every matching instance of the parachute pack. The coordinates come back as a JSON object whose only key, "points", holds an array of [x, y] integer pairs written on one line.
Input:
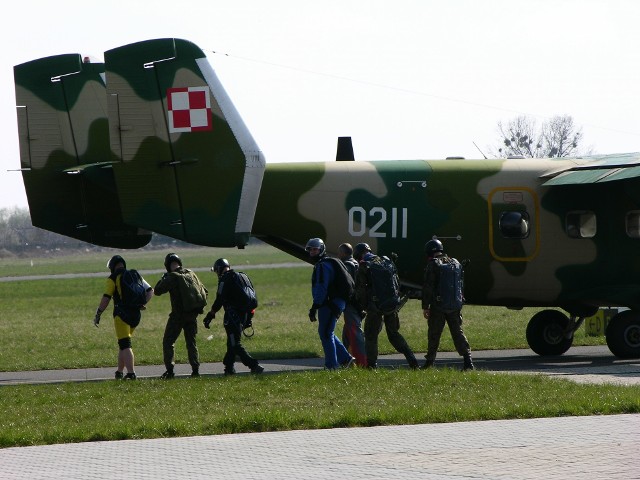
{"points": [[133, 290], [133, 296], [192, 292], [343, 285], [248, 299], [385, 285], [450, 285]]}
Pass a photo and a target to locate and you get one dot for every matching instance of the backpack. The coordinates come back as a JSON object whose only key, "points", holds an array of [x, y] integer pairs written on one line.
{"points": [[450, 284], [192, 292], [343, 285], [133, 290], [385, 285], [247, 298], [133, 296]]}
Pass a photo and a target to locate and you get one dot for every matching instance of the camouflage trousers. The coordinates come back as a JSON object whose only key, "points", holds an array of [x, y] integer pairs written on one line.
{"points": [[177, 323], [435, 325], [372, 328]]}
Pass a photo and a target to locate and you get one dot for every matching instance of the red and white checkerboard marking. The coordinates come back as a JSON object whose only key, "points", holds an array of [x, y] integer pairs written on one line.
{"points": [[189, 109]]}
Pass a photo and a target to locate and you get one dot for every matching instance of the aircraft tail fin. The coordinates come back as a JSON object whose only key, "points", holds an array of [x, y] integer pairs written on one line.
{"points": [[188, 167], [64, 151]]}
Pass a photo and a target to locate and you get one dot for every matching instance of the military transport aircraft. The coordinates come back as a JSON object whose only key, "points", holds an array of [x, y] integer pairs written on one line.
{"points": [[149, 141]]}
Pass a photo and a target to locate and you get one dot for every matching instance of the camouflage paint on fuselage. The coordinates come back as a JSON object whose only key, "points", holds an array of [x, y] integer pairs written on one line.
{"points": [[394, 206]]}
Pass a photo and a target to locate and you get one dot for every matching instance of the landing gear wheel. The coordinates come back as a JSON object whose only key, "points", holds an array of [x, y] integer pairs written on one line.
{"points": [[546, 333], [623, 334]]}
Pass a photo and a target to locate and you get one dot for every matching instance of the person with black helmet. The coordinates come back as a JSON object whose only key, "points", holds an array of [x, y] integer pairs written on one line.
{"points": [[237, 296], [188, 298], [442, 302], [327, 305], [124, 329], [374, 317], [352, 334]]}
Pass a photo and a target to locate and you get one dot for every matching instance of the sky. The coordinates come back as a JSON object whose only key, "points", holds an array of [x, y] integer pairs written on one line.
{"points": [[406, 79]]}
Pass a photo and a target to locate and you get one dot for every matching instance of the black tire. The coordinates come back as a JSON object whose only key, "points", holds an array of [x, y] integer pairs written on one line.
{"points": [[623, 334], [545, 333]]}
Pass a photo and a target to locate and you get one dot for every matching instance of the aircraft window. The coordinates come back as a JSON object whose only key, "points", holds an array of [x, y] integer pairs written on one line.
{"points": [[581, 224], [514, 224], [632, 224]]}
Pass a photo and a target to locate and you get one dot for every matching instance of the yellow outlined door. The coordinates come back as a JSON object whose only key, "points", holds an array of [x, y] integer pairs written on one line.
{"points": [[513, 224]]}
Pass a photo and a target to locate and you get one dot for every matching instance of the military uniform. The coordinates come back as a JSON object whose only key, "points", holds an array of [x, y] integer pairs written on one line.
{"points": [[229, 297], [179, 320], [374, 320], [438, 317]]}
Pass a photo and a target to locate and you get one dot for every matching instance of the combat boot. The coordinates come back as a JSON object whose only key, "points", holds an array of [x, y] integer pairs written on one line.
{"points": [[427, 364], [468, 363]]}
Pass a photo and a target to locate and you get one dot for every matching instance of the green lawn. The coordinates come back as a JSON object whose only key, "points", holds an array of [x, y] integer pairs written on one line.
{"points": [[116, 410]]}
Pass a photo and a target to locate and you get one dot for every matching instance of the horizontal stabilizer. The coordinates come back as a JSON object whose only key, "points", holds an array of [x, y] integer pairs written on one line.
{"points": [[62, 124], [188, 168]]}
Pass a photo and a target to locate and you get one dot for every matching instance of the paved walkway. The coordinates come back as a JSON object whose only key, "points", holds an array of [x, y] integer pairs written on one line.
{"points": [[561, 448], [556, 448]]}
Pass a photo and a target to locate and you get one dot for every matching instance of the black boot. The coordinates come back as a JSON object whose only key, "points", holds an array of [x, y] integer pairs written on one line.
{"points": [[427, 364], [468, 364]]}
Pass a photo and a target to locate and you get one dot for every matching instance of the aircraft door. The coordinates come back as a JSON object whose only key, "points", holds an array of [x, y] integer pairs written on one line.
{"points": [[513, 224]]}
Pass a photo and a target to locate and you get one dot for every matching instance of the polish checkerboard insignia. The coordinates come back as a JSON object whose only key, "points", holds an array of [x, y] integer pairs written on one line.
{"points": [[189, 109]]}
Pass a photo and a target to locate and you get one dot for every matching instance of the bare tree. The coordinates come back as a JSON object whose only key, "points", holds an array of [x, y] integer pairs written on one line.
{"points": [[558, 137]]}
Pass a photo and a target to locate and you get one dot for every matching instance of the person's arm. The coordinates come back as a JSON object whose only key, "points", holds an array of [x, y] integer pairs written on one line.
{"points": [[166, 283], [104, 301], [321, 278], [217, 305], [361, 286], [428, 289]]}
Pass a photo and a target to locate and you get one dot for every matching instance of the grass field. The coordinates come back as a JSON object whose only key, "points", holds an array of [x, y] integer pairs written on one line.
{"points": [[111, 410], [47, 324]]}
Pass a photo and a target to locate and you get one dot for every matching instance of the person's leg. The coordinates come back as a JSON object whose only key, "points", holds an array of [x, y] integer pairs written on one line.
{"points": [[352, 331], [230, 355], [190, 332], [392, 326], [435, 325], [125, 353], [326, 326], [454, 320], [240, 351], [372, 327], [171, 333]]}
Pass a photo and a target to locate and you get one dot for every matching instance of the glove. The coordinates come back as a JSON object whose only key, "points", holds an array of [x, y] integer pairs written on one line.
{"points": [[96, 319], [207, 319], [312, 315]]}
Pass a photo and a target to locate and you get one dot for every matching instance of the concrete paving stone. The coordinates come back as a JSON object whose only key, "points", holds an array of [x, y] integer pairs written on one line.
{"points": [[557, 448]]}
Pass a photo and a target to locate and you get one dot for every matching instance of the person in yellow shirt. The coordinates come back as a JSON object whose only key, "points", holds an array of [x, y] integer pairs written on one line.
{"points": [[125, 319]]}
